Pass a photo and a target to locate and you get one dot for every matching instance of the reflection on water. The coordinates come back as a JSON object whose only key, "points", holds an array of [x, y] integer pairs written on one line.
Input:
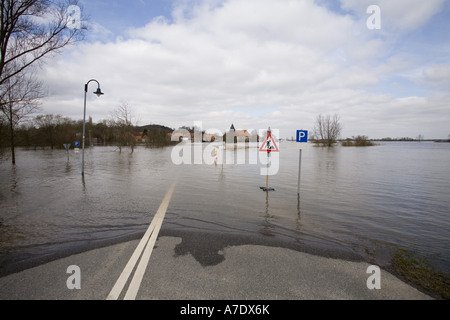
{"points": [[356, 199], [267, 225]]}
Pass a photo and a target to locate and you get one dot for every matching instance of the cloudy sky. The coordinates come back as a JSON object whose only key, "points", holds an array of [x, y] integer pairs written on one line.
{"points": [[261, 63]]}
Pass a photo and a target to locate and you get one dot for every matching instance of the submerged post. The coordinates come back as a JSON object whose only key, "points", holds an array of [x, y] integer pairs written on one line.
{"points": [[67, 147], [299, 170]]}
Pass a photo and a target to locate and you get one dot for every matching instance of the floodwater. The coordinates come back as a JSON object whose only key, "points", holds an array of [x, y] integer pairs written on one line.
{"points": [[364, 200]]}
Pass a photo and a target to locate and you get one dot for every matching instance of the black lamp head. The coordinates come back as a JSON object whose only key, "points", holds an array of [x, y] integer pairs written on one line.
{"points": [[99, 92]]}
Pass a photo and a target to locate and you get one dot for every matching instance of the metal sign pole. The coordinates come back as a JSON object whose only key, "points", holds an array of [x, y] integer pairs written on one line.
{"points": [[268, 146], [267, 177], [299, 170], [302, 137], [67, 147]]}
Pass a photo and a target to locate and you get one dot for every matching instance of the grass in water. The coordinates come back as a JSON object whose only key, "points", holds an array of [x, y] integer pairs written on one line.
{"points": [[417, 271]]}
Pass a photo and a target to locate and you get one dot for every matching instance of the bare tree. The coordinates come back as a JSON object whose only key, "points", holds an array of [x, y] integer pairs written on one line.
{"points": [[123, 125], [48, 125], [327, 129], [20, 99], [32, 29], [3, 135]]}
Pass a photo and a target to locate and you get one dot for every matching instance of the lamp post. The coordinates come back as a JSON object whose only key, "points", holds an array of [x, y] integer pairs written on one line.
{"points": [[98, 93]]}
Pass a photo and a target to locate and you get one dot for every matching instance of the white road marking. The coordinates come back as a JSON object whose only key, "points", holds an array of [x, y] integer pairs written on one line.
{"points": [[146, 244]]}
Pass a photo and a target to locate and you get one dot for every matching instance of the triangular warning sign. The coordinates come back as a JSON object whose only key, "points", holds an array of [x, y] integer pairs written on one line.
{"points": [[269, 145]]}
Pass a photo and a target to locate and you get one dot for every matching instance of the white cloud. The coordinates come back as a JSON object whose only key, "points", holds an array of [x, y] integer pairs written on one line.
{"points": [[438, 76], [97, 32], [254, 63]]}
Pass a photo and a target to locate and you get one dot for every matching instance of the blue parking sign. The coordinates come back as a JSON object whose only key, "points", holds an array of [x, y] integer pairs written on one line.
{"points": [[302, 136]]}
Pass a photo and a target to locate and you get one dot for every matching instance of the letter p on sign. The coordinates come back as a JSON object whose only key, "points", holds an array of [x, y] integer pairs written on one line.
{"points": [[302, 136]]}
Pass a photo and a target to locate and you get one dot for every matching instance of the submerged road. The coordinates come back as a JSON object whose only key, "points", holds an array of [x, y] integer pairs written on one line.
{"points": [[196, 266]]}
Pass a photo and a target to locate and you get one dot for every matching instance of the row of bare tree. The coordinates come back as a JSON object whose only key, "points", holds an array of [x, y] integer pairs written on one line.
{"points": [[54, 131]]}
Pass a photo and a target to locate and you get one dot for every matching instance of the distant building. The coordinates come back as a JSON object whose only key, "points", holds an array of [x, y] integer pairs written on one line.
{"points": [[140, 137], [209, 137], [240, 135], [182, 136]]}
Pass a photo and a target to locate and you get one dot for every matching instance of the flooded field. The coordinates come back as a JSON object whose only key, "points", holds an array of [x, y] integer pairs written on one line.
{"points": [[362, 200]]}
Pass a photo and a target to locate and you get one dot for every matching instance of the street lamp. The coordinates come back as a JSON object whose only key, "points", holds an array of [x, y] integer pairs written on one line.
{"points": [[98, 93]]}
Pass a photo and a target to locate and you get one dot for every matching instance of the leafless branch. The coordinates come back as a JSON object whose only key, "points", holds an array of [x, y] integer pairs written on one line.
{"points": [[30, 30], [327, 129]]}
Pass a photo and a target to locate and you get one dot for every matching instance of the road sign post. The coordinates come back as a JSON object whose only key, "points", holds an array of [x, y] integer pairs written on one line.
{"points": [[269, 145], [67, 147], [302, 137]]}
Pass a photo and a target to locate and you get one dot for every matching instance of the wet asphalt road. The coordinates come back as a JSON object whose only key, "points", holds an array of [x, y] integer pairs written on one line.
{"points": [[196, 266]]}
